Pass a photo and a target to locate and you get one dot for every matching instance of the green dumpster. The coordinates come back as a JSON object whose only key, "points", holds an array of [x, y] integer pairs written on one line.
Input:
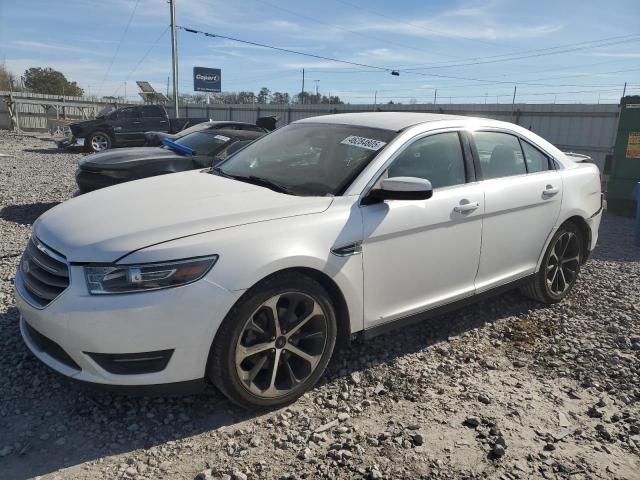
{"points": [[625, 169]]}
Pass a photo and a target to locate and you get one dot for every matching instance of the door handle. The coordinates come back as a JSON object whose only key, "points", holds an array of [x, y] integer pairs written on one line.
{"points": [[466, 206], [136, 123], [550, 191]]}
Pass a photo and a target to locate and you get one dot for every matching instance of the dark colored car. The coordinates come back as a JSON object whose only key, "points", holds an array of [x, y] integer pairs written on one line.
{"points": [[123, 127], [153, 139], [194, 150]]}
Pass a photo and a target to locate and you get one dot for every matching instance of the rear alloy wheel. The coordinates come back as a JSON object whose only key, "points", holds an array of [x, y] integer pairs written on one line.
{"points": [[563, 264], [560, 266], [98, 141], [274, 345]]}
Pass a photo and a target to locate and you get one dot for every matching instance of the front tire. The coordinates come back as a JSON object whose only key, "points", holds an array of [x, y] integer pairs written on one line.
{"points": [[275, 343], [560, 266], [98, 142]]}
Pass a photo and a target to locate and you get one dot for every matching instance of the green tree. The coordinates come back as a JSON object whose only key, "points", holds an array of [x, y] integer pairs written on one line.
{"points": [[280, 98], [246, 97], [48, 80], [263, 95], [7, 80]]}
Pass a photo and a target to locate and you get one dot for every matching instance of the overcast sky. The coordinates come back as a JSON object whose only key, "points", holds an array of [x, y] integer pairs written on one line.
{"points": [[458, 47]]}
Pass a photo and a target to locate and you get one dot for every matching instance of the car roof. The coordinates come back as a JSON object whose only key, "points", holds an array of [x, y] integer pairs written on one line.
{"points": [[384, 120], [215, 123], [238, 134]]}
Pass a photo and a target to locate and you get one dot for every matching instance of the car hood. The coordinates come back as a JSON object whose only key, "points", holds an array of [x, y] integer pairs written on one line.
{"points": [[122, 156], [104, 225]]}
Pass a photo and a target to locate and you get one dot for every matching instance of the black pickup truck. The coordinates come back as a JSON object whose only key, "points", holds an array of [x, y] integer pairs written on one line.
{"points": [[125, 126]]}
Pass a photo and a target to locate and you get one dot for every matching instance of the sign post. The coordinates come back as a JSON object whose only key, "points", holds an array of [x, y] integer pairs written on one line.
{"points": [[207, 79]]}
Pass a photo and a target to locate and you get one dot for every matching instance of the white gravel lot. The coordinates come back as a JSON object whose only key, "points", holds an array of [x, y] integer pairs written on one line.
{"points": [[504, 389]]}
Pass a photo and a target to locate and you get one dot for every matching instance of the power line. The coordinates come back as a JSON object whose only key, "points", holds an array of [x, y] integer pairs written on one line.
{"points": [[476, 40], [126, 29], [357, 64], [542, 52], [164, 32], [287, 50]]}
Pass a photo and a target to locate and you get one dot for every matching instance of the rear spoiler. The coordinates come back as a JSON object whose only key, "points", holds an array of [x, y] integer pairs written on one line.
{"points": [[579, 158]]}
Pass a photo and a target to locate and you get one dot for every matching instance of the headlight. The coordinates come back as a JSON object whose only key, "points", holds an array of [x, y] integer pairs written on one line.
{"points": [[148, 276]]}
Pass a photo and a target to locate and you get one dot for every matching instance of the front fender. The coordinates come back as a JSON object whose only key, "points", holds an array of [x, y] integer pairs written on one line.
{"points": [[250, 253]]}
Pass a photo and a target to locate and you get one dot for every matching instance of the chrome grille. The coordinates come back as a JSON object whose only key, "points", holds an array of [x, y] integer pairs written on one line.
{"points": [[44, 273]]}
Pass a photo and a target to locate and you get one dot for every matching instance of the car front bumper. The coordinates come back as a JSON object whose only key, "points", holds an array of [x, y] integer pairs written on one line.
{"points": [[68, 332], [69, 142], [90, 180]]}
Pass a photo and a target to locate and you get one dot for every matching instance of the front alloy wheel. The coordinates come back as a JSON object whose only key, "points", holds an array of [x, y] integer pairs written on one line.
{"points": [[281, 344], [275, 343]]}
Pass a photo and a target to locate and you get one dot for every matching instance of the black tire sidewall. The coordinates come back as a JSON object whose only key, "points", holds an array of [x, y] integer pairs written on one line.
{"points": [[88, 145], [550, 297], [221, 368]]}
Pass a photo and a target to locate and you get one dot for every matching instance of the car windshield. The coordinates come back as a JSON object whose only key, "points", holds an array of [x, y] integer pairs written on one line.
{"points": [[202, 143], [195, 128], [308, 159]]}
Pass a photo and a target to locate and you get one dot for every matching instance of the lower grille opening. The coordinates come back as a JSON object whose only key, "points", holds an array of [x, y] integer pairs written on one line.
{"points": [[132, 363], [48, 346]]}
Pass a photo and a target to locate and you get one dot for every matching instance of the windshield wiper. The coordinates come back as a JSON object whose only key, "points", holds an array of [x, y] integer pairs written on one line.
{"points": [[263, 182]]}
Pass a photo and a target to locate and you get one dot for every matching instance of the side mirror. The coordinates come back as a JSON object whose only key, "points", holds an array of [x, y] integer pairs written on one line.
{"points": [[400, 188]]}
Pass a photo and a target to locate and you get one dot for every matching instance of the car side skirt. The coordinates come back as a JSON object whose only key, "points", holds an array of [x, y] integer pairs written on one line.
{"points": [[441, 310]]}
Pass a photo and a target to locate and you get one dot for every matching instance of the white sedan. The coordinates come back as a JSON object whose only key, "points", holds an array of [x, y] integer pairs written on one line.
{"points": [[330, 228]]}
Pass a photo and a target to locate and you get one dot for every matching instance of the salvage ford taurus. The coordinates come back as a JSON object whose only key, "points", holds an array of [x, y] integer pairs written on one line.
{"points": [[248, 274]]}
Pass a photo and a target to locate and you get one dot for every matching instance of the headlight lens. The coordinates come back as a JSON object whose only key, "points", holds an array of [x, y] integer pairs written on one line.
{"points": [[145, 277]]}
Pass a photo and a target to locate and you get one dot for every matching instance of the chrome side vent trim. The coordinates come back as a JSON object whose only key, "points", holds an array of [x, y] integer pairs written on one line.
{"points": [[347, 250]]}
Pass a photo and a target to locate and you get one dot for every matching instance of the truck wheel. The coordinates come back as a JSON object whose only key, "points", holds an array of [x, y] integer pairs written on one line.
{"points": [[97, 142]]}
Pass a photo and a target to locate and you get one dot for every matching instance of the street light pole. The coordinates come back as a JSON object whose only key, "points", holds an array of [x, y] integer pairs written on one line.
{"points": [[174, 57]]}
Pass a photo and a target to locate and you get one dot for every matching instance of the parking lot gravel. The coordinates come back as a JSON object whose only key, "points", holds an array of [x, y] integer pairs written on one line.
{"points": [[506, 388]]}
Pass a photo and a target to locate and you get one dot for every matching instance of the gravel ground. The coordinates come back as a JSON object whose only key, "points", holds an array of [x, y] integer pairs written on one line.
{"points": [[504, 389]]}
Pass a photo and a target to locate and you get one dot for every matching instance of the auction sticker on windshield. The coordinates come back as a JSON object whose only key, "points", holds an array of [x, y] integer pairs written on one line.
{"points": [[222, 137], [363, 142]]}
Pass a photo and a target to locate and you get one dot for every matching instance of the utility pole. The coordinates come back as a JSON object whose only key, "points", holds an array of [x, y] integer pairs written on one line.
{"points": [[435, 96], [375, 99], [624, 90], [167, 87], [302, 92], [174, 57], [485, 98], [317, 82], [125, 91], [513, 101]]}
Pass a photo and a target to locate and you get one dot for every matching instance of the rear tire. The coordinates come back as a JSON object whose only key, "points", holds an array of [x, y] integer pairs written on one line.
{"points": [[560, 266], [98, 142], [275, 343]]}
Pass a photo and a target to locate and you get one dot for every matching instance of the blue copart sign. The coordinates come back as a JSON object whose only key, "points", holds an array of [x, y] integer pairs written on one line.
{"points": [[206, 79]]}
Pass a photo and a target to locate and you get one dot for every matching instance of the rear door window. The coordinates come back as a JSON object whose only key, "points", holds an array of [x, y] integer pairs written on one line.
{"points": [[130, 113], [500, 155], [151, 111], [536, 160]]}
